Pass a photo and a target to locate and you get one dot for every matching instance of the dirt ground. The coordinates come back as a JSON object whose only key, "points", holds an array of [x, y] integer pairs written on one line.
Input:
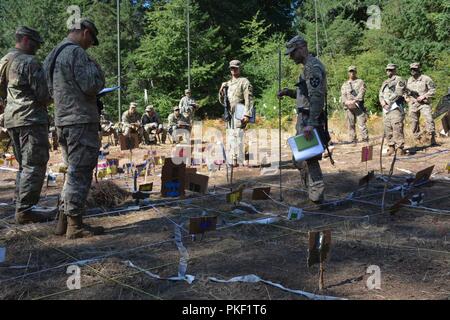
{"points": [[411, 247]]}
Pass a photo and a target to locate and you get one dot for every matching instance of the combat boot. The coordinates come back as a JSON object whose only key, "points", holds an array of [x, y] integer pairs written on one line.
{"points": [[31, 217], [77, 229], [391, 151], [61, 224]]}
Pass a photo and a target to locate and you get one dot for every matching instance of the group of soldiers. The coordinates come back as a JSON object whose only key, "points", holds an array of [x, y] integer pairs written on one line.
{"points": [[395, 95], [149, 128], [71, 79]]}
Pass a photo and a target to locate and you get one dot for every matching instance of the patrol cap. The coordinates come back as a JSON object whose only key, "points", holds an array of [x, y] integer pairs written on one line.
{"points": [[414, 65], [30, 33], [88, 24], [149, 108], [391, 66], [133, 105], [235, 64], [295, 42], [351, 68], [176, 108], [187, 91]]}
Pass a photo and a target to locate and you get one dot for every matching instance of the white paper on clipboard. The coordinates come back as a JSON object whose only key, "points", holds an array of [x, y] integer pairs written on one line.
{"points": [[239, 111]]}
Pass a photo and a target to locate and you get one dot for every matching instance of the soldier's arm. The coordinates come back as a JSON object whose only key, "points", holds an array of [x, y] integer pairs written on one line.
{"points": [[380, 96], [170, 120], [248, 96], [361, 91], [316, 92], [399, 90], [38, 83], [88, 73], [431, 88]]}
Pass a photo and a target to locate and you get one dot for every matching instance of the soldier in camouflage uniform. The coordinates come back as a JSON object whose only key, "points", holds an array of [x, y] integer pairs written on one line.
{"points": [[131, 122], [178, 125], [240, 92], [310, 98], [74, 83], [391, 99], [188, 106], [419, 91], [352, 99], [26, 119]]}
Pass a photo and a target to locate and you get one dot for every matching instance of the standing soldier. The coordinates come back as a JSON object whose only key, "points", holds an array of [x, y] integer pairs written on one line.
{"points": [[392, 101], [310, 95], [74, 80], [240, 97], [26, 119], [419, 91], [188, 106], [352, 98]]}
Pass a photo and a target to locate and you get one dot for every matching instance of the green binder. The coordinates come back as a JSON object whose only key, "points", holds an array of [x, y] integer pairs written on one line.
{"points": [[303, 144]]}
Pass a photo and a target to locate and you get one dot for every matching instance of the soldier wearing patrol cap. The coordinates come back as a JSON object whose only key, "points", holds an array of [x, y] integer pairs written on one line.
{"points": [[74, 79], [23, 85], [178, 125], [352, 99], [310, 96], [151, 123], [419, 91], [188, 106], [392, 101], [240, 95]]}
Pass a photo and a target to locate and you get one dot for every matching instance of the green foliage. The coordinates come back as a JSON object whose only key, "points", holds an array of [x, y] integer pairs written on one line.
{"points": [[154, 45]]}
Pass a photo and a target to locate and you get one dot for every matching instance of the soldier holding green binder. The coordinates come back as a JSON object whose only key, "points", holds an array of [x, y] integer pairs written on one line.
{"points": [[310, 100]]}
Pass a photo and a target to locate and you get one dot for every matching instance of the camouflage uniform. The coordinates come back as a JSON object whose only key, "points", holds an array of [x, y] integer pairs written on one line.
{"points": [[310, 96], [391, 91], [26, 119], [186, 108], [240, 91], [76, 81], [422, 86], [152, 122], [131, 123], [356, 115]]}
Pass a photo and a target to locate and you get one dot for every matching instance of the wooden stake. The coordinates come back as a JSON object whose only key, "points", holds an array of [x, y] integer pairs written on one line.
{"points": [[321, 271]]}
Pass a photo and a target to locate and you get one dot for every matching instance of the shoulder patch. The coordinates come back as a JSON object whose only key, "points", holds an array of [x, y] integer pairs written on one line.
{"points": [[314, 81]]}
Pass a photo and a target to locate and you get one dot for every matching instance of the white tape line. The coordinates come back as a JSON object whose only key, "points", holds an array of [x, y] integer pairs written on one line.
{"points": [[188, 278], [184, 255], [251, 278], [9, 169], [257, 221]]}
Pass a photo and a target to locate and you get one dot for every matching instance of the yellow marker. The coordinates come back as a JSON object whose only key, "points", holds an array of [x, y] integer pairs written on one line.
{"points": [[448, 167]]}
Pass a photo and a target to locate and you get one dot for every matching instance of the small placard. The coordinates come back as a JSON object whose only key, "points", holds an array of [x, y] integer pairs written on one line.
{"points": [[261, 193], [112, 162], [423, 175], [146, 187], [196, 182], [235, 196], [319, 246], [366, 153], [198, 225], [295, 213]]}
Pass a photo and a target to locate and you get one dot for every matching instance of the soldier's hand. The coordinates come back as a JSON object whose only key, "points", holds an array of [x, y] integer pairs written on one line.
{"points": [[308, 132], [283, 92], [420, 98], [245, 120]]}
